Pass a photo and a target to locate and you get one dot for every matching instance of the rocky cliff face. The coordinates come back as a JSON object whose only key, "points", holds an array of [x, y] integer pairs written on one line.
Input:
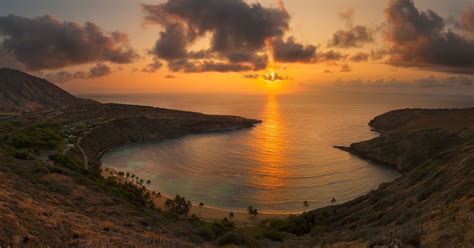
{"points": [[22, 92]]}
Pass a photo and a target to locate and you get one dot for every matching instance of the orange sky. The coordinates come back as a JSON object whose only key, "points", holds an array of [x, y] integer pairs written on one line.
{"points": [[312, 22]]}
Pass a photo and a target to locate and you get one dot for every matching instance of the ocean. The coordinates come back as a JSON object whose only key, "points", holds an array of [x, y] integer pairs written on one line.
{"points": [[287, 159]]}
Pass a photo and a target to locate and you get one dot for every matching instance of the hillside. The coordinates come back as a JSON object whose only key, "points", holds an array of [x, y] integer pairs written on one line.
{"points": [[52, 192], [22, 92]]}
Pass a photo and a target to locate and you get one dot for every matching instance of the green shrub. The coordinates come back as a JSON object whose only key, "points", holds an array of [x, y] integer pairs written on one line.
{"points": [[37, 137], [22, 154], [234, 238], [273, 235], [206, 234]]}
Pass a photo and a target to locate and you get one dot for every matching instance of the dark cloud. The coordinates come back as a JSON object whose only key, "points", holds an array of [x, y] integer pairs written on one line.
{"points": [[207, 66], [360, 57], [353, 37], [99, 70], [330, 56], [154, 66], [420, 39], [251, 76], [292, 51], [239, 33], [47, 43]]}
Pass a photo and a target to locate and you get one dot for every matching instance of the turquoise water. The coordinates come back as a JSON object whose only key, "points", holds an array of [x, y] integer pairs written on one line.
{"points": [[286, 160]]}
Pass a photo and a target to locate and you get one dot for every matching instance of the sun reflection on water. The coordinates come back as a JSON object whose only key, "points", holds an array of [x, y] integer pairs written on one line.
{"points": [[271, 151]]}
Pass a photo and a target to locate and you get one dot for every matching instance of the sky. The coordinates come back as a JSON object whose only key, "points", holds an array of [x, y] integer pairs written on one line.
{"points": [[237, 46]]}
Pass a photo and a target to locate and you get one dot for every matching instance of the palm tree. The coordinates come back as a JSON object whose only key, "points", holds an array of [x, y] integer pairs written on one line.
{"points": [[252, 211], [200, 207], [305, 204], [255, 212]]}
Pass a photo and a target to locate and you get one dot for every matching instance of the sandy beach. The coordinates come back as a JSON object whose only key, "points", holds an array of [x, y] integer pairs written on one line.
{"points": [[205, 213]]}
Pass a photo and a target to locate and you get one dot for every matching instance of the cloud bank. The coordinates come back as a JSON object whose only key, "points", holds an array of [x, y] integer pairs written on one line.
{"points": [[99, 70], [47, 43], [241, 35], [420, 39]]}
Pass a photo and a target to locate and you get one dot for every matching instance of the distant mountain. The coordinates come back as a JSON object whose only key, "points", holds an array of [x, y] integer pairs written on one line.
{"points": [[21, 91]]}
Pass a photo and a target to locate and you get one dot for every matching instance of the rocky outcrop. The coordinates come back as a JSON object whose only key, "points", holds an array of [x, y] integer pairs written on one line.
{"points": [[412, 136]]}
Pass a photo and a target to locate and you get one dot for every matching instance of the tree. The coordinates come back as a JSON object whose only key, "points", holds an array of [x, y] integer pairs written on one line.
{"points": [[305, 204], [252, 211], [200, 207], [148, 182], [231, 215], [255, 212], [128, 174], [333, 201], [178, 205]]}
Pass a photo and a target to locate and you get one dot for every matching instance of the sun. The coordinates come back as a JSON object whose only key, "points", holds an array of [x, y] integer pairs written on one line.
{"points": [[273, 77]]}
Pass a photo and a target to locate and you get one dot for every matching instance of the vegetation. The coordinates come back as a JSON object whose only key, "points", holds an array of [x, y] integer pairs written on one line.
{"points": [[178, 205], [305, 204], [201, 205], [44, 137], [252, 211]]}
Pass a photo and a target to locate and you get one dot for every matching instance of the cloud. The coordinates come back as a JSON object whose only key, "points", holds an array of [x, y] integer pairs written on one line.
{"points": [[290, 51], [47, 43], [207, 66], [467, 20], [420, 39], [330, 56], [345, 68], [239, 32], [360, 57], [154, 66], [347, 15], [251, 76], [379, 54], [353, 37], [99, 70], [458, 81]]}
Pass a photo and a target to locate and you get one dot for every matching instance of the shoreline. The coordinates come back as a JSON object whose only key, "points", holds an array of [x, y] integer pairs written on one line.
{"points": [[206, 213]]}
